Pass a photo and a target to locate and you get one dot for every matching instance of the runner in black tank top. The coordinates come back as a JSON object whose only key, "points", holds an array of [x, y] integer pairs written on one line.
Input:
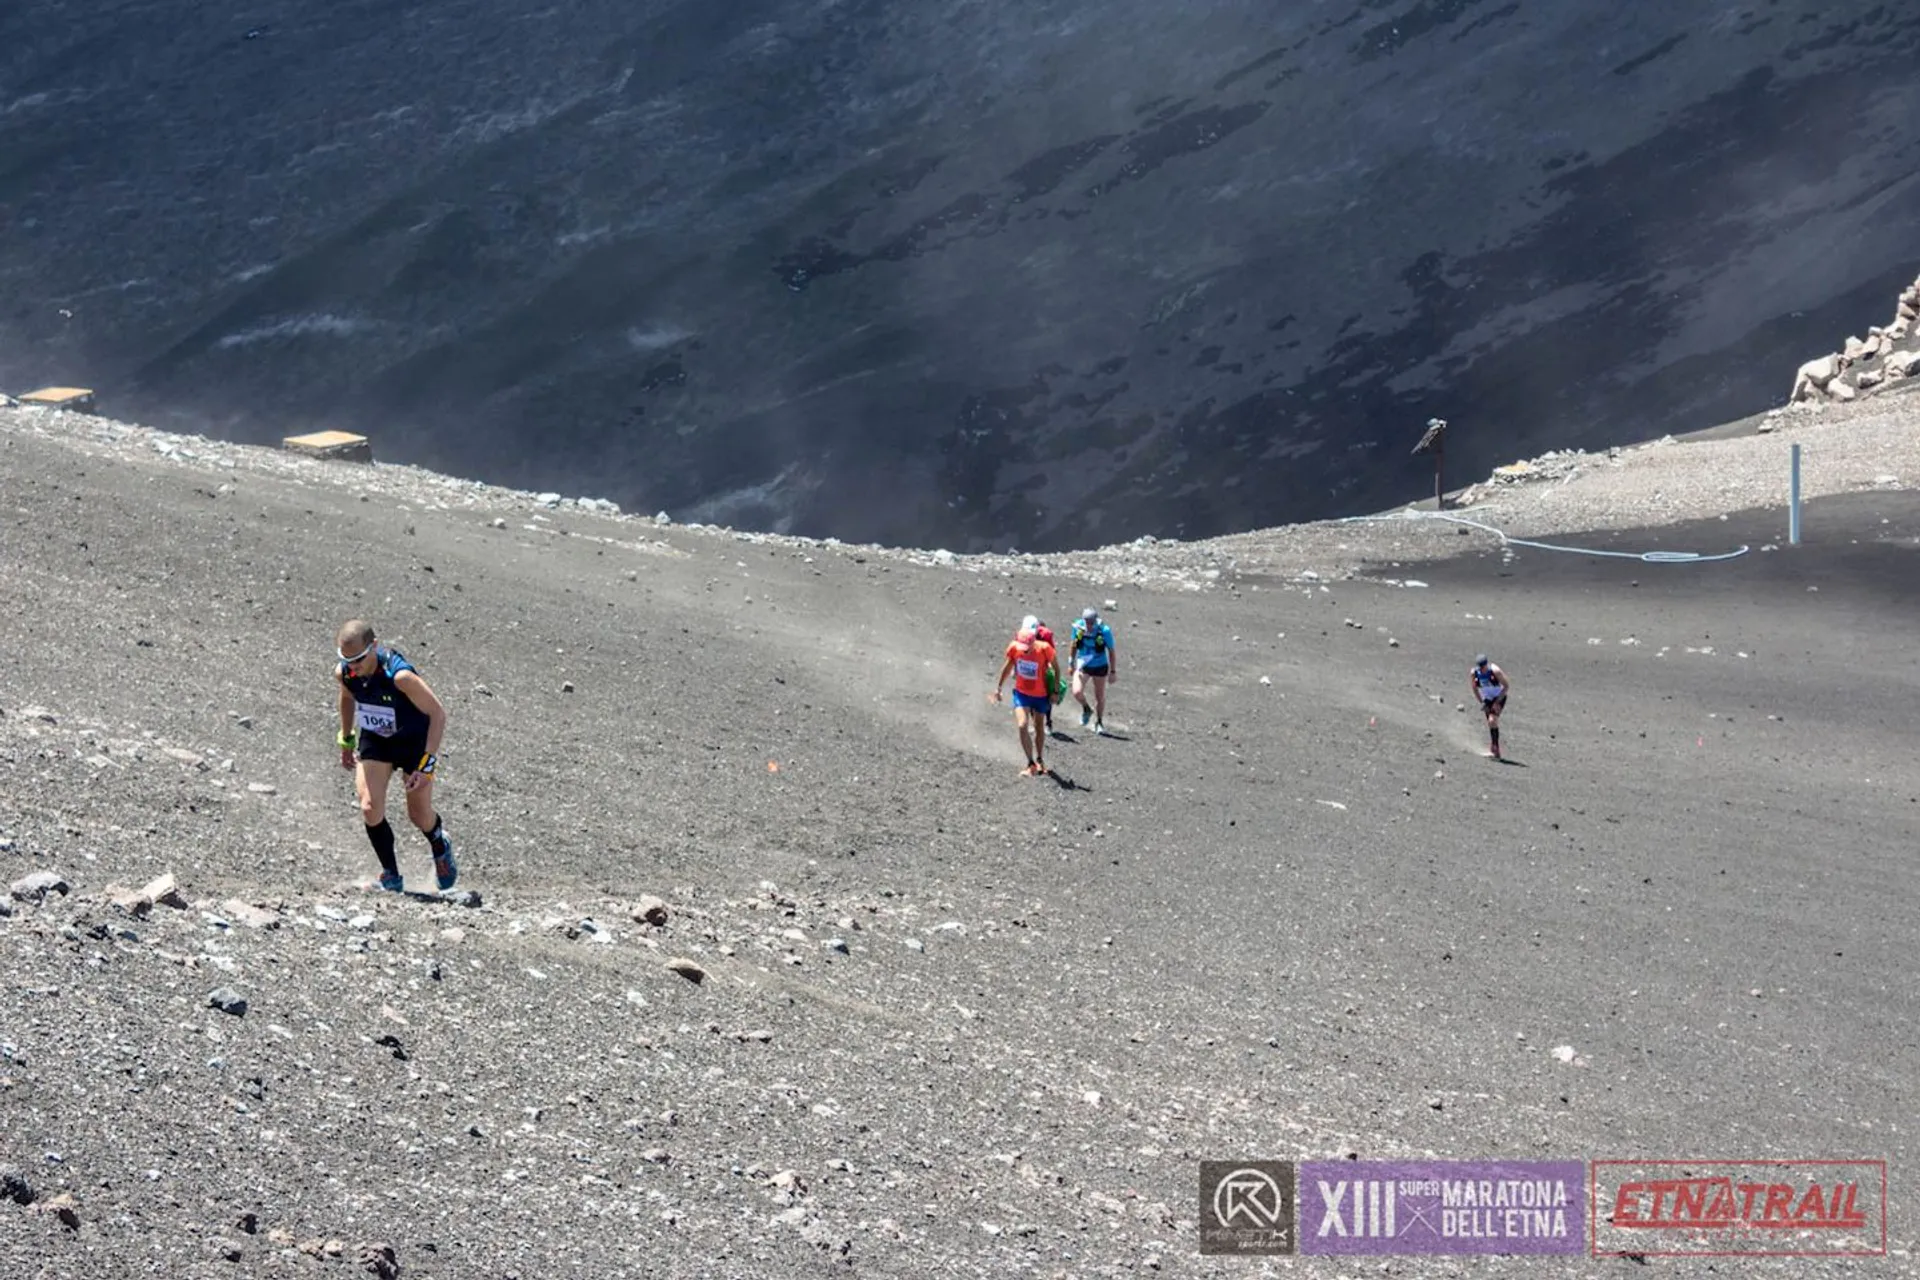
{"points": [[390, 719]]}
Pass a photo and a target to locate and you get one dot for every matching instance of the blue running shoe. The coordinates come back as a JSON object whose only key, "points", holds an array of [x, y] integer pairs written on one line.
{"points": [[392, 882], [444, 869]]}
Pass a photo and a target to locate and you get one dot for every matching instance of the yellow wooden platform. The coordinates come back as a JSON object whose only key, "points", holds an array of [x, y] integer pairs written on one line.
{"points": [[342, 446], [60, 398]]}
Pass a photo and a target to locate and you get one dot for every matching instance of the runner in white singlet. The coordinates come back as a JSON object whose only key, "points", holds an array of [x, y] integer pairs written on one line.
{"points": [[1490, 688]]}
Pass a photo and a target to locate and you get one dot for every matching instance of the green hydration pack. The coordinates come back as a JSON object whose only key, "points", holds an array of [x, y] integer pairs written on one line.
{"points": [[1097, 634]]}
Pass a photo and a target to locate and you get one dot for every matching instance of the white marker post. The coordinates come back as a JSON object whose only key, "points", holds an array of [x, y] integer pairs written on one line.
{"points": [[1793, 501]]}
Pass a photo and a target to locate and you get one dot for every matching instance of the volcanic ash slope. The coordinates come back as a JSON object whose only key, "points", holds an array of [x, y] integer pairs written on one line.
{"points": [[948, 1021]]}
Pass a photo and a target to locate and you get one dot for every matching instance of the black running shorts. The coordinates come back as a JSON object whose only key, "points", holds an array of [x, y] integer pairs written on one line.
{"points": [[404, 752]]}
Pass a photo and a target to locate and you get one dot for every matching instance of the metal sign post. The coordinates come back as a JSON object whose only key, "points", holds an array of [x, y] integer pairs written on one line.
{"points": [[1793, 500], [1435, 443]]}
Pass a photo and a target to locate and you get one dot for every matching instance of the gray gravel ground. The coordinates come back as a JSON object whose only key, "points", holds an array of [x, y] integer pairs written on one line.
{"points": [[953, 1022]]}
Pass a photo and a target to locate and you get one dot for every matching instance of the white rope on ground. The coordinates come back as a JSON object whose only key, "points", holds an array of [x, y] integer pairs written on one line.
{"points": [[1650, 557]]}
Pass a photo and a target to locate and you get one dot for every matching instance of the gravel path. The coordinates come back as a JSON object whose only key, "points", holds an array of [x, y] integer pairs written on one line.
{"points": [[1870, 445]]}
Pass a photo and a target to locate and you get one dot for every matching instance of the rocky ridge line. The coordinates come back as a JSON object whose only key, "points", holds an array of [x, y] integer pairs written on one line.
{"points": [[1561, 491], [1881, 360]]}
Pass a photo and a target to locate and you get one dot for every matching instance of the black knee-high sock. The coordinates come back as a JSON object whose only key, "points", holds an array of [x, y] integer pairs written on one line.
{"points": [[381, 837], [1495, 731], [433, 836]]}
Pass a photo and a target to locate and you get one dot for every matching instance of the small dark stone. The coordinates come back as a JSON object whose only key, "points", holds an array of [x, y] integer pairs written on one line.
{"points": [[227, 1000], [380, 1261], [14, 1185]]}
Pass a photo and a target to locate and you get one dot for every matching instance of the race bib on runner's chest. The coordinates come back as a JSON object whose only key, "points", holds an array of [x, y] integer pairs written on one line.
{"points": [[1489, 692], [377, 720], [1026, 667]]}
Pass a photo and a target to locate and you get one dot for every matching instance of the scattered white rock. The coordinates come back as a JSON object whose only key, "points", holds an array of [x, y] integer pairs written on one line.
{"points": [[161, 891], [248, 916], [37, 885]]}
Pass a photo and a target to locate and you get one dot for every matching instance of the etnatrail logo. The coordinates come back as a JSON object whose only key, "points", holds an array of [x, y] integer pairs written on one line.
{"points": [[1722, 1202], [1796, 1208]]}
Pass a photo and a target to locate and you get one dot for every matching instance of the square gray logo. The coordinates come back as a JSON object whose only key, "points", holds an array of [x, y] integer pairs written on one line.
{"points": [[1246, 1207]]}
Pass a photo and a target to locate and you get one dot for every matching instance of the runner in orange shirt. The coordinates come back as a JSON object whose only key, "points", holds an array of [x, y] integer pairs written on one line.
{"points": [[1029, 660], [1057, 689]]}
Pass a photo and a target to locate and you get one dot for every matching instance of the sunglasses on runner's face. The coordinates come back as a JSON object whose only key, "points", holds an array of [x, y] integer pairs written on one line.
{"points": [[355, 659]]}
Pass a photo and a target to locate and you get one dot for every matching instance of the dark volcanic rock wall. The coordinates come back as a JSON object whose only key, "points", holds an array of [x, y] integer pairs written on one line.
{"points": [[1045, 274]]}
